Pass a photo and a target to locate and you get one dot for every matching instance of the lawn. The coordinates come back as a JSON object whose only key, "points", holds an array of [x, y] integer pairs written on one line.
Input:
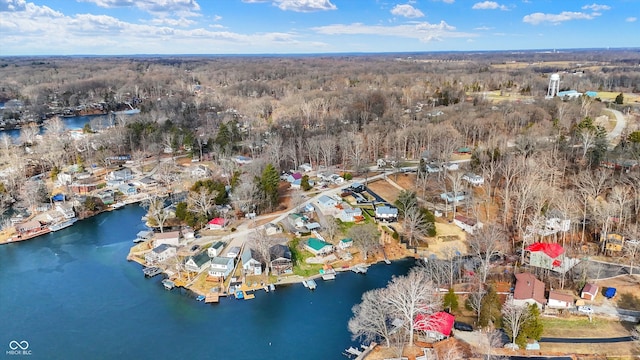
{"points": [[299, 255]]}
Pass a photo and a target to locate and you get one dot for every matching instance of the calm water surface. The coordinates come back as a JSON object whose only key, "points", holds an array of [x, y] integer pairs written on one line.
{"points": [[72, 295]]}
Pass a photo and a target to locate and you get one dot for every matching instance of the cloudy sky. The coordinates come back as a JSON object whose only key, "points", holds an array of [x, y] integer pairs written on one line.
{"points": [[68, 27]]}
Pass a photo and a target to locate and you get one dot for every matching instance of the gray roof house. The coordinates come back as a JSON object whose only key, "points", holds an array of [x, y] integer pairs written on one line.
{"points": [[221, 266], [198, 263]]}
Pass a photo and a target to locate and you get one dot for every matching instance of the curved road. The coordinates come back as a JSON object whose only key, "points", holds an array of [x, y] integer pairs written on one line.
{"points": [[621, 124]]}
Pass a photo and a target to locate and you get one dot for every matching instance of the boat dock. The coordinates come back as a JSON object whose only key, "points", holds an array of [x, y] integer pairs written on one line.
{"points": [[168, 284], [212, 298], [359, 269], [328, 276], [151, 271]]}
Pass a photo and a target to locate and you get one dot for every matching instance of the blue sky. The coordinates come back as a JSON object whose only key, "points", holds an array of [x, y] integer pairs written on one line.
{"points": [[113, 27]]}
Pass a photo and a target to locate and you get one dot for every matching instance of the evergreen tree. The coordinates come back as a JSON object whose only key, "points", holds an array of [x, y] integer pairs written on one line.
{"points": [[430, 221], [532, 328], [619, 99], [224, 136], [268, 185], [304, 183], [450, 301], [490, 310]]}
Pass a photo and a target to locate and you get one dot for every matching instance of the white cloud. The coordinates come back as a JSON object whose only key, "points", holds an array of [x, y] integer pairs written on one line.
{"points": [[483, 28], [183, 22], [631, 19], [299, 5], [183, 7], [537, 18], [489, 5], [422, 31], [596, 7], [407, 11]]}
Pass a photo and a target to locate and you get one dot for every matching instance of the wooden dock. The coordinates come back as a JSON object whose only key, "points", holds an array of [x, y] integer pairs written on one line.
{"points": [[249, 296], [212, 298], [151, 271]]}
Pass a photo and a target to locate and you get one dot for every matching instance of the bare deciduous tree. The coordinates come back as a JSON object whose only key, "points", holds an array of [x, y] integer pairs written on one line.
{"points": [[262, 242], [514, 316], [156, 211], [365, 237], [371, 318], [485, 243]]}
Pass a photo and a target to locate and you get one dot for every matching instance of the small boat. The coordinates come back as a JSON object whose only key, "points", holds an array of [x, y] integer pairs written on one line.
{"points": [[305, 283], [272, 287], [200, 298], [386, 261], [239, 295], [311, 284], [117, 205]]}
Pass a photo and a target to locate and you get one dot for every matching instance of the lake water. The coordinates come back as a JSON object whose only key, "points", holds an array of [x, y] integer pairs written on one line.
{"points": [[72, 295], [71, 123]]}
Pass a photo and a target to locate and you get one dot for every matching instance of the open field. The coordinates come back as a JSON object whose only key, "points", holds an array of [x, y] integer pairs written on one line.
{"points": [[385, 190]]}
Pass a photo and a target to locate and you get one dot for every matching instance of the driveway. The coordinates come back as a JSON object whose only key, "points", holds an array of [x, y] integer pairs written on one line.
{"points": [[621, 123]]}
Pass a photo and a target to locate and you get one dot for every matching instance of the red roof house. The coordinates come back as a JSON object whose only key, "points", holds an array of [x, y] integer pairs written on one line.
{"points": [[436, 326], [549, 256], [217, 223], [529, 290]]}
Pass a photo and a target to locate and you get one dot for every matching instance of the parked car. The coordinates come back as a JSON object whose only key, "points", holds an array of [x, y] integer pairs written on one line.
{"points": [[195, 247], [462, 326], [585, 309]]}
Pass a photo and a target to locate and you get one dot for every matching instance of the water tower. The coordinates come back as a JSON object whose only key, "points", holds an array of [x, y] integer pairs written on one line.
{"points": [[554, 86]]}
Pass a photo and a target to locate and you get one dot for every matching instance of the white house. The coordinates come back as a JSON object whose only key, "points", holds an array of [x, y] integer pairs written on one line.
{"points": [[215, 249], [350, 214], [560, 300], [170, 238], [200, 171], [221, 266], [272, 229], [432, 168], [473, 179], [450, 197], [469, 225], [306, 167], [66, 209], [318, 247], [345, 244], [159, 254], [336, 179], [120, 175], [386, 213], [233, 252], [242, 160], [198, 263], [327, 203], [250, 263], [451, 166]]}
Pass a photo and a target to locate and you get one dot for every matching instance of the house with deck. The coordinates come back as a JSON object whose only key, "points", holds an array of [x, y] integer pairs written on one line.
{"points": [[451, 197], [122, 175], [473, 179], [159, 254], [198, 263], [436, 326], [318, 247], [345, 243], [350, 215], [272, 229], [529, 290], [221, 266], [327, 203], [469, 225], [251, 264], [280, 259], [549, 256]]}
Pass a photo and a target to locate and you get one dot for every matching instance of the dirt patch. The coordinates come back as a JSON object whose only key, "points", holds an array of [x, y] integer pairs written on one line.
{"points": [[384, 190], [629, 284], [448, 236]]}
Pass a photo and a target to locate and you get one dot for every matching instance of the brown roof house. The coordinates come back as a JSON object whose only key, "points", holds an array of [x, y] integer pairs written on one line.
{"points": [[559, 300], [589, 292], [529, 290]]}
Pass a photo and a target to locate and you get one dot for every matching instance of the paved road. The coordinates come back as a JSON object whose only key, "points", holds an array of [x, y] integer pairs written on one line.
{"points": [[587, 340]]}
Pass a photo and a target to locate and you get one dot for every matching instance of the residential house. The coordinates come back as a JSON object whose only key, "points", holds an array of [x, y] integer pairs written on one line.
{"points": [[318, 247], [65, 178], [336, 179], [298, 220], [306, 167], [272, 229], [451, 166], [432, 168], [66, 209], [159, 254], [293, 177], [589, 291], [147, 182], [221, 266], [451, 197], [312, 226], [169, 238], [613, 242], [386, 213], [144, 235], [467, 224], [198, 263], [473, 179], [233, 252], [549, 256], [436, 326], [215, 249], [350, 215], [296, 184], [107, 196], [250, 263], [84, 186], [559, 300], [121, 175], [345, 243], [217, 223], [529, 290], [280, 259], [327, 203], [128, 189], [357, 187], [309, 208], [243, 160]]}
